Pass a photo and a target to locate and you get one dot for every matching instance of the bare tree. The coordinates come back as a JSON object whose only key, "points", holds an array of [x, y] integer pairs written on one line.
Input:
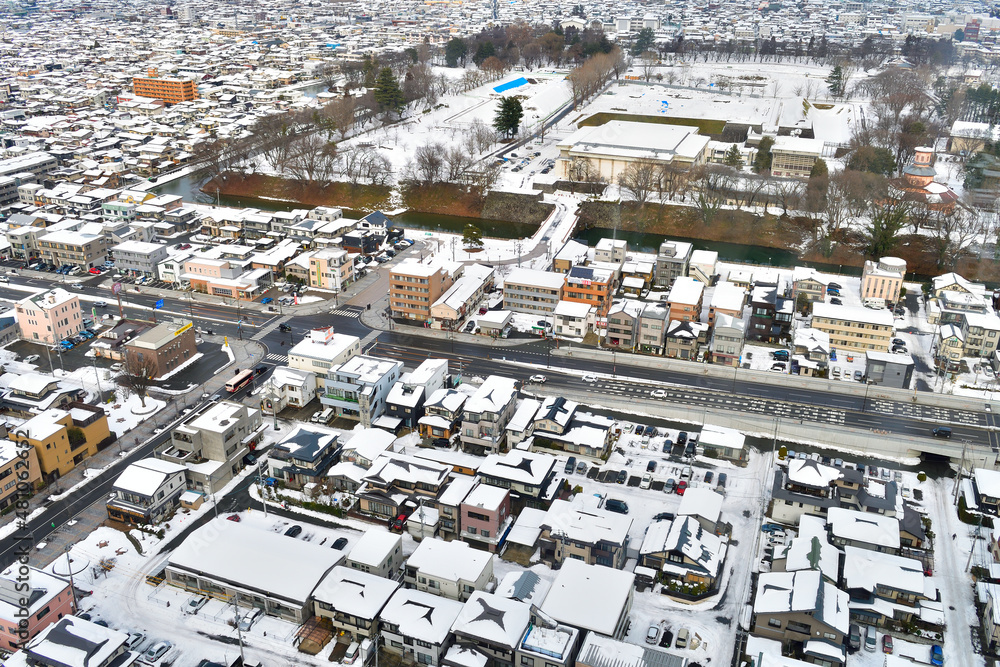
{"points": [[340, 113], [640, 179], [428, 163], [955, 233], [457, 162], [137, 375], [648, 61], [312, 160]]}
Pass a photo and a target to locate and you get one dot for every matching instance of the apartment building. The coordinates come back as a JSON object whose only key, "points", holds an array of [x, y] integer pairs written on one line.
{"points": [[65, 438], [883, 279], [50, 317], [672, 260], [590, 285], [169, 345], [321, 350], [81, 249], [331, 268], [213, 443], [532, 291], [171, 91], [359, 387], [139, 258], [415, 287], [685, 299], [11, 465], [853, 328], [794, 157]]}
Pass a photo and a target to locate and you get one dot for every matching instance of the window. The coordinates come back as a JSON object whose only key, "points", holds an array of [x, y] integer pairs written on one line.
{"points": [[528, 662]]}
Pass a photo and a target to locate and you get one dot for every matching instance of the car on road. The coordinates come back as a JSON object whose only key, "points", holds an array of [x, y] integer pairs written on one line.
{"points": [[31, 358], [590, 378], [284, 327], [155, 652], [622, 476], [339, 543], [941, 432], [937, 656], [652, 634], [658, 393], [77, 285], [537, 379], [293, 531]]}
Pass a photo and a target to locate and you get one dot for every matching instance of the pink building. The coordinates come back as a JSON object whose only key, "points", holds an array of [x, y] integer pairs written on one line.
{"points": [[485, 516], [50, 317], [49, 599]]}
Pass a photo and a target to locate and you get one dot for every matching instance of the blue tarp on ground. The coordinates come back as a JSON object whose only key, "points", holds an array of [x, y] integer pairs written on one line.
{"points": [[504, 87]]}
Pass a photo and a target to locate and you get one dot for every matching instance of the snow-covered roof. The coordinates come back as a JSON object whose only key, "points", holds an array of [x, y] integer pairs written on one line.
{"points": [[600, 651], [374, 546], [577, 523], [705, 549], [803, 591], [722, 437], [686, 290], [493, 618], [865, 569], [219, 551], [529, 468], [701, 502], [492, 396], [394, 468], [369, 443], [588, 597], [880, 316], [808, 472], [486, 496], [868, 527], [987, 482], [354, 592], [655, 539], [146, 476], [534, 278], [74, 641], [465, 655], [422, 615], [448, 399], [527, 527], [728, 296], [450, 561]]}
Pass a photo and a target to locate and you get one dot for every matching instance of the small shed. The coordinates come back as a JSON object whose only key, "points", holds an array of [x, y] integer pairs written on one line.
{"points": [[494, 322]]}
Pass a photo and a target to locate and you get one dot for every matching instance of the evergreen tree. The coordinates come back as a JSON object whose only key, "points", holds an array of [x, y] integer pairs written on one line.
{"points": [[455, 51], [508, 116], [483, 51], [472, 237], [644, 41], [819, 169], [387, 93], [762, 162], [835, 82], [733, 158]]}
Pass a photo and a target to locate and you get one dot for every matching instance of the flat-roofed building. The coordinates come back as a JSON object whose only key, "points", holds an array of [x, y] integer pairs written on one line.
{"points": [[414, 287], [854, 328], [81, 249], [533, 292], [794, 156], [168, 345], [883, 279], [49, 317], [171, 91]]}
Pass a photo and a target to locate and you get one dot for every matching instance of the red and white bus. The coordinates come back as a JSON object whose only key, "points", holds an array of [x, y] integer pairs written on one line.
{"points": [[241, 380]]}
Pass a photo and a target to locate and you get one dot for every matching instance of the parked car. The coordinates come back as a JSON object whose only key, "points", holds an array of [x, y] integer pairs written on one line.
{"points": [[31, 358], [681, 487], [649, 432], [651, 466], [294, 531], [570, 465], [854, 637], [859, 376], [652, 634], [581, 468], [682, 438], [722, 479], [351, 654], [771, 528], [195, 604], [670, 485], [622, 476], [937, 656], [708, 476], [266, 300], [616, 506], [836, 301], [234, 518], [871, 639], [830, 286], [886, 643], [780, 355], [682, 638], [665, 516], [646, 482], [155, 652], [135, 639], [250, 618]]}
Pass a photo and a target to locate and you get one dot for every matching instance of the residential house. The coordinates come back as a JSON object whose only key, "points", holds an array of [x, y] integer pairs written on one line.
{"points": [[492, 626], [600, 651], [692, 554], [683, 339], [808, 285], [800, 608], [591, 598], [571, 254], [28, 394], [884, 588], [987, 486], [485, 516], [611, 251], [770, 314], [139, 258], [49, 317], [573, 319], [377, 552], [442, 414], [367, 445], [352, 601], [727, 299], [527, 474], [449, 504], [146, 491], [398, 481], [532, 291], [811, 350], [809, 550], [288, 387], [685, 299], [865, 530], [74, 642], [213, 443], [891, 370], [705, 506], [463, 297], [417, 625], [304, 456], [486, 413], [652, 328], [726, 344], [331, 269], [723, 442], [358, 388], [450, 569], [578, 531], [49, 598], [623, 324], [805, 487], [703, 265]]}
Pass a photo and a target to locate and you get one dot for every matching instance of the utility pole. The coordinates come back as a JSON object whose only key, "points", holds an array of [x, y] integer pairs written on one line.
{"points": [[961, 470], [239, 632], [260, 482], [69, 568]]}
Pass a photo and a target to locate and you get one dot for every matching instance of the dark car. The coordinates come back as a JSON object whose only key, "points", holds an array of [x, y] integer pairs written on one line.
{"points": [[622, 476], [689, 449], [570, 465], [708, 477], [260, 370], [670, 485], [441, 442], [837, 302], [941, 432], [668, 444], [650, 431], [293, 531], [340, 543], [722, 479], [854, 638], [664, 516], [638, 429], [682, 438], [284, 327], [617, 506], [831, 286], [651, 466], [780, 355]]}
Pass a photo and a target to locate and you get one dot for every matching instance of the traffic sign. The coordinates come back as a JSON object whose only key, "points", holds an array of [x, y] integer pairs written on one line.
{"points": [[116, 288]]}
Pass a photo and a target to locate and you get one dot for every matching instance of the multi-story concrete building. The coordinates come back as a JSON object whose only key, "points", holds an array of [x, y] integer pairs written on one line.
{"points": [[854, 328], [14, 470], [727, 340], [168, 345], [672, 260], [685, 299], [590, 285], [139, 258], [883, 279], [794, 156], [652, 327], [50, 317], [213, 443], [171, 91], [727, 299], [321, 350], [81, 249], [358, 388], [485, 514], [414, 287], [531, 291], [60, 449], [331, 268], [623, 324]]}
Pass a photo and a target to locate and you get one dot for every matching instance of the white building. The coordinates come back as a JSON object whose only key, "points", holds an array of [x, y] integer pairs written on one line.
{"points": [[417, 625], [451, 569]]}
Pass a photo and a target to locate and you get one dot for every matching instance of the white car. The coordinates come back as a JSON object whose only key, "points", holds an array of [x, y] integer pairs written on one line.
{"points": [[249, 619], [590, 378], [537, 379], [31, 358], [647, 480], [658, 393]]}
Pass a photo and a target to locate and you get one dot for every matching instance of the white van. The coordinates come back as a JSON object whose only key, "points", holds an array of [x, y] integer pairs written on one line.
{"points": [[875, 303], [352, 654], [323, 416]]}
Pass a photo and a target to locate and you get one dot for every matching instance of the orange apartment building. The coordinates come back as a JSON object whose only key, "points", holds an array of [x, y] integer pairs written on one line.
{"points": [[592, 285], [414, 287], [170, 91]]}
